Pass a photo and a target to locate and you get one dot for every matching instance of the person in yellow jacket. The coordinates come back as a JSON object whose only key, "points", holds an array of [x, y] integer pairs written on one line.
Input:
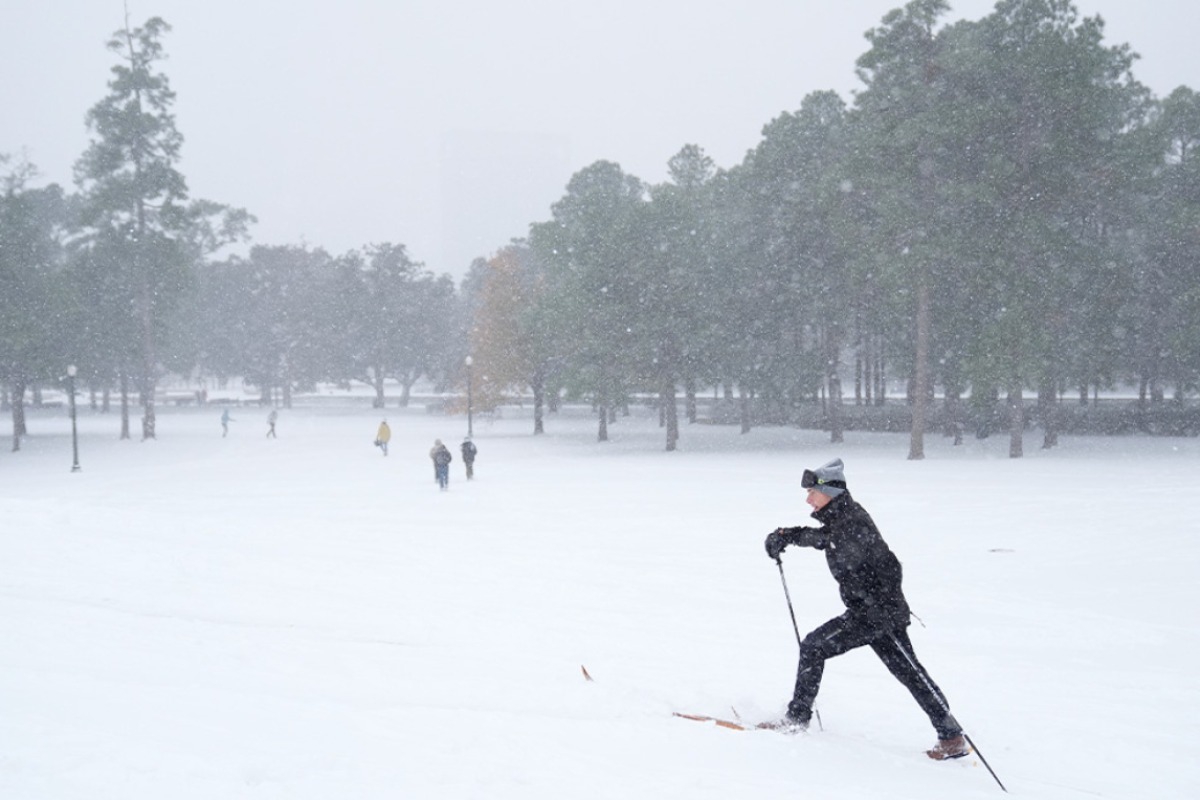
{"points": [[383, 436]]}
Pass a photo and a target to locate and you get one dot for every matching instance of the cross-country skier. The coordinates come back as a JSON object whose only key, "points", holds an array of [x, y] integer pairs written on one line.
{"points": [[868, 576]]}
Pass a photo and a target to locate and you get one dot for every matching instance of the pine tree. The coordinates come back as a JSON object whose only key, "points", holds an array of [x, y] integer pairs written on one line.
{"points": [[140, 226]]}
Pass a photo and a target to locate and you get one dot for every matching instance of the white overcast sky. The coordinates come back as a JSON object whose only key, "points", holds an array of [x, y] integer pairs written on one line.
{"points": [[450, 125]]}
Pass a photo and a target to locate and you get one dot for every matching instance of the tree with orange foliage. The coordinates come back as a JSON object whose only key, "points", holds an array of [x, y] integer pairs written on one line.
{"points": [[509, 349]]}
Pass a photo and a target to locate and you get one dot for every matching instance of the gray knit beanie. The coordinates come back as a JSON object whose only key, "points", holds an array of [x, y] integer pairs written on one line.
{"points": [[828, 478]]}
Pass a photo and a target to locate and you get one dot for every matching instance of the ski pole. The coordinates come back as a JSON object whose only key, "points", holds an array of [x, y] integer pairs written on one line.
{"points": [[937, 695], [795, 627], [788, 595]]}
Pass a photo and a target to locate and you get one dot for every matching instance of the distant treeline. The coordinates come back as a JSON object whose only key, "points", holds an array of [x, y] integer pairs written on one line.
{"points": [[1002, 209]]}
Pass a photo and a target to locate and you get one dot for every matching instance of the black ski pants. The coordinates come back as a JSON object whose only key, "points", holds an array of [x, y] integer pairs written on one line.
{"points": [[845, 633]]}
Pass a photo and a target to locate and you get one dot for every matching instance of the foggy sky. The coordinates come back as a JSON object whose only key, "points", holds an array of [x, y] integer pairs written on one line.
{"points": [[450, 125]]}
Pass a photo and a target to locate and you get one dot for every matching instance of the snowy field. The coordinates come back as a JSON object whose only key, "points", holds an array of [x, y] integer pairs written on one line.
{"points": [[209, 618]]}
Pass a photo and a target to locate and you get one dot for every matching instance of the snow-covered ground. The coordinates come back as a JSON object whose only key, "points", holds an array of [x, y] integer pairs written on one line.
{"points": [[199, 617]]}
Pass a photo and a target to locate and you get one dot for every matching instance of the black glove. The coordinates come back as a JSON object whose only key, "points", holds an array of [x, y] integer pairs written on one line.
{"points": [[776, 541]]}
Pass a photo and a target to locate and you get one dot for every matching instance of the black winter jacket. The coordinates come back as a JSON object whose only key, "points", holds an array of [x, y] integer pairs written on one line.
{"points": [[867, 572]]}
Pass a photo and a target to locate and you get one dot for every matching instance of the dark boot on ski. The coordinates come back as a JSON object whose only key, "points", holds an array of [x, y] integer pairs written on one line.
{"points": [[945, 749], [785, 725], [791, 723]]}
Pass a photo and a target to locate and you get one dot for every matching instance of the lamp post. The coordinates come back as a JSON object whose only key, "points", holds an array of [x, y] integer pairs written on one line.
{"points": [[470, 432], [74, 433]]}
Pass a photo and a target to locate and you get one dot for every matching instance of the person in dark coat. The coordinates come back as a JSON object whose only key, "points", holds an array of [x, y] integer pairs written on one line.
{"points": [[869, 581], [469, 451], [440, 454]]}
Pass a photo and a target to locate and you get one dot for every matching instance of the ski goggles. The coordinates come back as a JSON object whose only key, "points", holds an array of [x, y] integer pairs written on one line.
{"points": [[809, 479]]}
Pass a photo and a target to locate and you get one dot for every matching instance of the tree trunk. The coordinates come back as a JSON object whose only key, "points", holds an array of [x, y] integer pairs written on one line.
{"points": [[668, 399], [880, 378], [744, 401], [538, 384], [602, 403], [1048, 411], [837, 419], [124, 405], [18, 407], [377, 380], [149, 419], [858, 377], [1157, 392], [869, 372], [920, 391], [689, 388], [952, 403], [1016, 412], [18, 413], [833, 347]]}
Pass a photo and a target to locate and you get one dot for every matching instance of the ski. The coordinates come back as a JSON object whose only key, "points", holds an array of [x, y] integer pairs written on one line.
{"points": [[781, 725], [724, 723]]}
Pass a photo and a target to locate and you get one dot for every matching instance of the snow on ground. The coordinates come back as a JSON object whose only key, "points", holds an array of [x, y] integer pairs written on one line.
{"points": [[199, 617]]}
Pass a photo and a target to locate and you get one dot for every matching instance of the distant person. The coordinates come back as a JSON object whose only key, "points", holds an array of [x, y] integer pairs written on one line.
{"points": [[271, 418], [441, 457], [868, 576], [383, 436], [468, 453], [225, 420]]}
